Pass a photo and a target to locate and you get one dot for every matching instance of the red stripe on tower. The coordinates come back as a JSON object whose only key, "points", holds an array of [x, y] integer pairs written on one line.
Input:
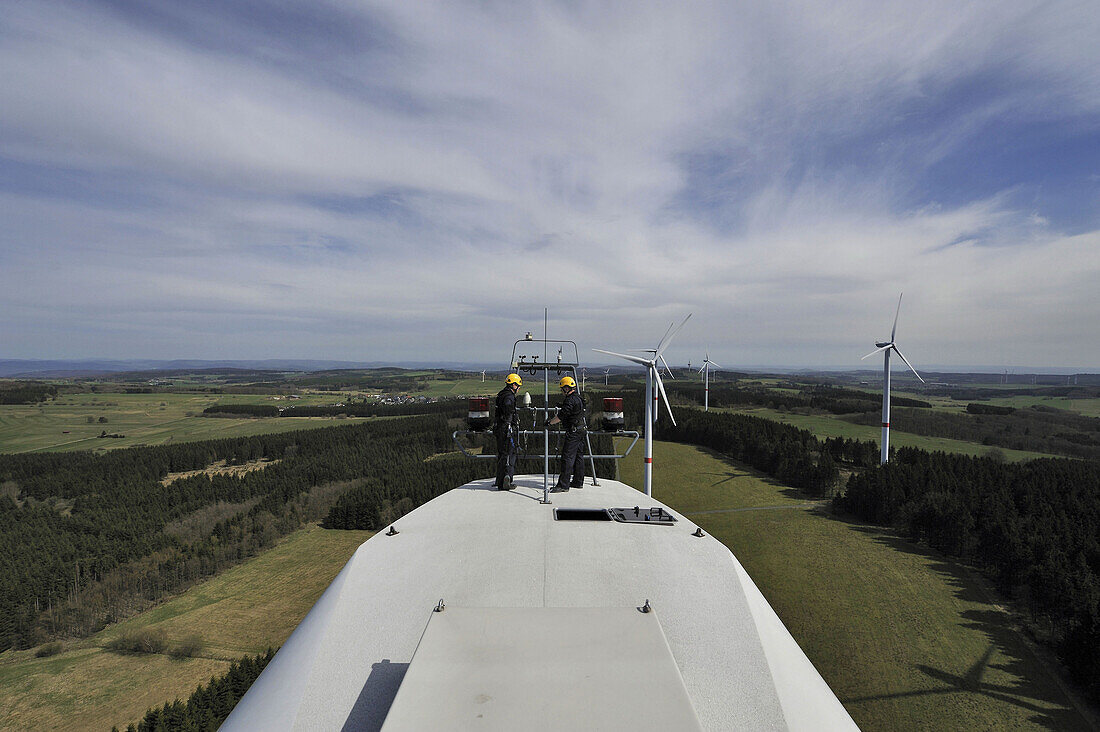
{"points": [[649, 460], [885, 424]]}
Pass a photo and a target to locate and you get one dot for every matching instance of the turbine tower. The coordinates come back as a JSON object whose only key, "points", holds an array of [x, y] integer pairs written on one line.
{"points": [[705, 370], [885, 348], [653, 386], [605, 373]]}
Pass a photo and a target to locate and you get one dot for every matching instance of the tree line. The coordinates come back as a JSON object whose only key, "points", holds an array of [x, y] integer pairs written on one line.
{"points": [[448, 406], [26, 392], [86, 539], [243, 410], [794, 456], [832, 399], [1037, 428], [1034, 525], [209, 705]]}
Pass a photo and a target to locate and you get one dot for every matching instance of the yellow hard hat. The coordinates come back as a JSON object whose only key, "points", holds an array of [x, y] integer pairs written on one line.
{"points": [[567, 381], [514, 379]]}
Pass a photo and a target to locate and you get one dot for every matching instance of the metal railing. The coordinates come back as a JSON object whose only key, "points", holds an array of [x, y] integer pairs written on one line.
{"points": [[525, 359]]}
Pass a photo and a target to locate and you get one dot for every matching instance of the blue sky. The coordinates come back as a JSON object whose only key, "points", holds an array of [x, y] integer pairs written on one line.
{"points": [[410, 181]]}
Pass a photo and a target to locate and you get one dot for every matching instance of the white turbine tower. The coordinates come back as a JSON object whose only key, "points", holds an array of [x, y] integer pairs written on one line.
{"points": [[652, 375], [483, 377], [605, 373], [705, 370], [885, 348]]}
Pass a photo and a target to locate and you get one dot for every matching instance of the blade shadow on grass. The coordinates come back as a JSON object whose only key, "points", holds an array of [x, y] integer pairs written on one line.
{"points": [[1018, 659], [728, 477], [971, 683]]}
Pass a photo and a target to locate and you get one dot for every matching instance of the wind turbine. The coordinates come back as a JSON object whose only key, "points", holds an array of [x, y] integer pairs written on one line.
{"points": [[652, 375], [885, 348], [605, 373], [584, 378], [705, 369], [483, 376]]}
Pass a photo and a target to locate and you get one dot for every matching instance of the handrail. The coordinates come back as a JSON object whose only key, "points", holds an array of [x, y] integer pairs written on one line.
{"points": [[492, 456]]}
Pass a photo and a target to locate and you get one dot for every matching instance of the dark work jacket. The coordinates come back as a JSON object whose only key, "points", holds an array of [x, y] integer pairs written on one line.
{"points": [[506, 410], [571, 412]]}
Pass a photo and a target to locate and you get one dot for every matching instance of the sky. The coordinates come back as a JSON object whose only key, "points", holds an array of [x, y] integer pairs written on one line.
{"points": [[410, 181]]}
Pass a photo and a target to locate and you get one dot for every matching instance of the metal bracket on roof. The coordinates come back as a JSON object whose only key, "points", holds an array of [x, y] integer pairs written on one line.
{"points": [[646, 608], [698, 532], [392, 532], [440, 607]]}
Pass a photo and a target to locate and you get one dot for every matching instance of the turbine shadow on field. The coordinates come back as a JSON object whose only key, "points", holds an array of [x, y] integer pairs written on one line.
{"points": [[733, 469], [1013, 656]]}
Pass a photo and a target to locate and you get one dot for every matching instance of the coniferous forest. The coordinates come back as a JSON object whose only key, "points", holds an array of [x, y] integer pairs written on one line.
{"points": [[209, 705], [1033, 526], [91, 538], [86, 539]]}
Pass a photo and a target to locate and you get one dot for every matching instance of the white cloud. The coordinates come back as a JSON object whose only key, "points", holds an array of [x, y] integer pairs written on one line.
{"points": [[538, 154]]}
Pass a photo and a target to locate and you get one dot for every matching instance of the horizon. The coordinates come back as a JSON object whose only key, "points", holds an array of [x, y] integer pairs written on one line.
{"points": [[141, 365]]}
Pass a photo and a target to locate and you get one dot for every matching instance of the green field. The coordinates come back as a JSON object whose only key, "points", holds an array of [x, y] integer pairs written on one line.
{"points": [[144, 419], [907, 639], [1087, 407], [829, 426], [242, 611]]}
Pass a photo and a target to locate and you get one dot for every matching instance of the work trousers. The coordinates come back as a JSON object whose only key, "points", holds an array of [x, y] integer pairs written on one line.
{"points": [[506, 455], [572, 461]]}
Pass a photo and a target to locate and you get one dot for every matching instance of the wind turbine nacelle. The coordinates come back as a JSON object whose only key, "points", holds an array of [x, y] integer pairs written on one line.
{"points": [[884, 344], [613, 420]]}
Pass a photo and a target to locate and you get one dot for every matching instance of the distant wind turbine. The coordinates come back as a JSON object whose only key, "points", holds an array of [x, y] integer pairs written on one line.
{"points": [[885, 348], [705, 370], [653, 387], [605, 373], [483, 377]]}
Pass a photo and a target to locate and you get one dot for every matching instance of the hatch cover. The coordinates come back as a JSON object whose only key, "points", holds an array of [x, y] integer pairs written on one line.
{"points": [[636, 515], [542, 669]]}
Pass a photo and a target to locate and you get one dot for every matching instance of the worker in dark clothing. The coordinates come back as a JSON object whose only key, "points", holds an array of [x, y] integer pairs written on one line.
{"points": [[506, 430], [571, 417]]}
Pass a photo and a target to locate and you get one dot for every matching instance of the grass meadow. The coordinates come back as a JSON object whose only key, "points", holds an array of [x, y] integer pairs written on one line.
{"points": [[906, 638], [242, 611], [829, 426], [144, 419]]}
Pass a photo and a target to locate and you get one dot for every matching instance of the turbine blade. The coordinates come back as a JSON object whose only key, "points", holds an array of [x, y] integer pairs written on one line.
{"points": [[661, 388], [669, 336], [670, 326], [894, 330], [702, 367], [877, 350], [665, 364], [715, 365], [635, 359], [903, 358]]}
